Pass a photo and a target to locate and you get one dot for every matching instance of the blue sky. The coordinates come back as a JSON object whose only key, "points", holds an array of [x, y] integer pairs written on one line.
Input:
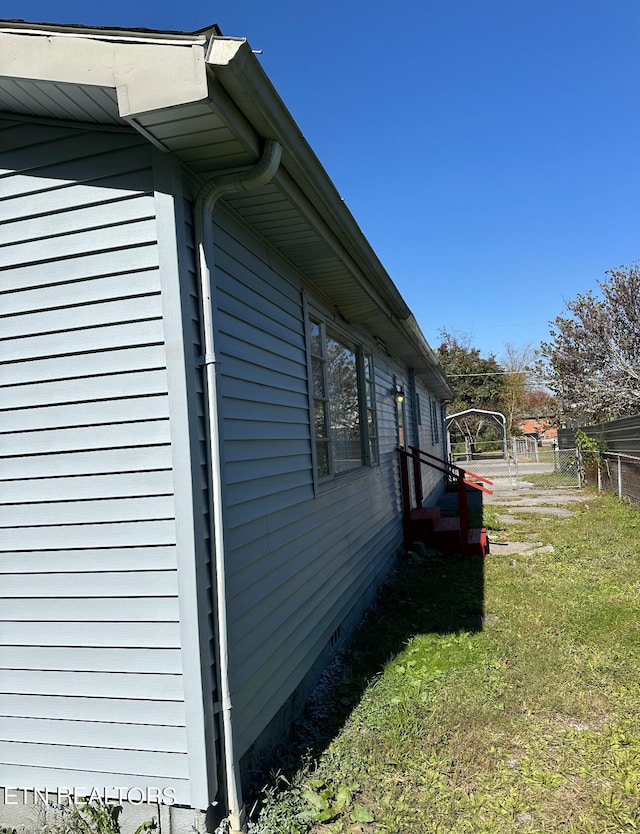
{"points": [[489, 150]]}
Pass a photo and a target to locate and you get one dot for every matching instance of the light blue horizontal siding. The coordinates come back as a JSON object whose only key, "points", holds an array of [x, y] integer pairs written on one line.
{"points": [[90, 633], [108, 710], [87, 437], [299, 562], [107, 337], [68, 777], [89, 291], [79, 365], [105, 760], [156, 482], [81, 267], [150, 583], [432, 480], [79, 414], [88, 316], [93, 609], [86, 157], [143, 458], [106, 186], [95, 733], [133, 233], [106, 534], [65, 658], [74, 220], [108, 684], [90, 658], [94, 389]]}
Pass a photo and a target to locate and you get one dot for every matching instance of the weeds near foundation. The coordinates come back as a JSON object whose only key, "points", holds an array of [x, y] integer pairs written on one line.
{"points": [[82, 818]]}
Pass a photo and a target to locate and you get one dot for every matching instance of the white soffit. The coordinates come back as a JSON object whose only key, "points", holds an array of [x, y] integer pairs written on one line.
{"points": [[55, 100]]}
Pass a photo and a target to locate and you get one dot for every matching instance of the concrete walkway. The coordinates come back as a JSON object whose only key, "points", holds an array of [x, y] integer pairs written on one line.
{"points": [[549, 502], [527, 499]]}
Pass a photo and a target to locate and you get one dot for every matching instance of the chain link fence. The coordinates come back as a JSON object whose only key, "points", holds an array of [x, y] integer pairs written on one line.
{"points": [[526, 466], [614, 472], [618, 468]]}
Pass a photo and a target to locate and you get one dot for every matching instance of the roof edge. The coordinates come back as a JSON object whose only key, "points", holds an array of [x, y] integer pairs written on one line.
{"points": [[119, 33], [436, 371], [241, 74]]}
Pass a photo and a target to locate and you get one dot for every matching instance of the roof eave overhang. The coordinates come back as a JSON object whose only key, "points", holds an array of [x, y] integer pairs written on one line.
{"points": [[160, 72], [242, 76], [176, 75]]}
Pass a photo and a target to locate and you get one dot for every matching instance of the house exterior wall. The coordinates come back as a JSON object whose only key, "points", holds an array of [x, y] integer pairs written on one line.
{"points": [[431, 438], [542, 426], [301, 557], [91, 629], [106, 590]]}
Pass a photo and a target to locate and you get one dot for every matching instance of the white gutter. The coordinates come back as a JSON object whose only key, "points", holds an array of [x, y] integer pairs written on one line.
{"points": [[304, 182], [246, 180], [415, 335], [241, 74]]}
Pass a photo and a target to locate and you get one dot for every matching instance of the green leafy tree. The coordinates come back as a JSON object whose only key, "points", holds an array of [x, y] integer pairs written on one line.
{"points": [[477, 382]]}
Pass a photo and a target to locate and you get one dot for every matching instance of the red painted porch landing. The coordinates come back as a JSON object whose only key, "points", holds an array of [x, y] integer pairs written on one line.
{"points": [[426, 525]]}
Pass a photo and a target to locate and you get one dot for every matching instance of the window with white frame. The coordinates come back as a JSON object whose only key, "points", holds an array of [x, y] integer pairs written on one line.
{"points": [[435, 432], [344, 412]]}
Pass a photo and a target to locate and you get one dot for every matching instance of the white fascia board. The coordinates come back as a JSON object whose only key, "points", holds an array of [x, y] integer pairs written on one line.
{"points": [[434, 370], [240, 73], [146, 76], [118, 33]]}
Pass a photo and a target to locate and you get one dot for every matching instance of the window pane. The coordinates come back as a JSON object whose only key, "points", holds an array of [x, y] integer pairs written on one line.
{"points": [[321, 419], [318, 378], [434, 422], [347, 453], [342, 378], [344, 407], [369, 395], [368, 367], [322, 458], [401, 435], [316, 339], [343, 396], [371, 423]]}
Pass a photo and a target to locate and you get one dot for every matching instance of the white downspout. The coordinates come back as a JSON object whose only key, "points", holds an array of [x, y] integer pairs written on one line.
{"points": [[250, 178]]}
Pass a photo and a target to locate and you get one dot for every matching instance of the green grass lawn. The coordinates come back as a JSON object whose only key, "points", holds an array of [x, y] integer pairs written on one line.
{"points": [[487, 696]]}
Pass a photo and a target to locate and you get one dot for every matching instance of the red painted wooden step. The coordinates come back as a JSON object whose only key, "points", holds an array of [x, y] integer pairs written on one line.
{"points": [[425, 524]]}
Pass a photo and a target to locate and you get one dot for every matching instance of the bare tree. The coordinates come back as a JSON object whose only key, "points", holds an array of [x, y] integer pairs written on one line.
{"points": [[592, 360], [517, 363]]}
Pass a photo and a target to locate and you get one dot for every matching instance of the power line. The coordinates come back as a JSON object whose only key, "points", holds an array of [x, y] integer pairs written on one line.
{"points": [[498, 373]]}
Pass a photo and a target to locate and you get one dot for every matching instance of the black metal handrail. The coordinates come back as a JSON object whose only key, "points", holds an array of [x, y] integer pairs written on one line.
{"points": [[452, 470], [456, 474]]}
